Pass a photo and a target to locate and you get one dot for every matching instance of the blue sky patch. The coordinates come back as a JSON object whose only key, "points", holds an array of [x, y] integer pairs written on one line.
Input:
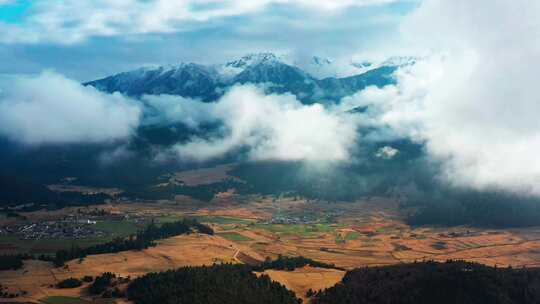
{"points": [[14, 12]]}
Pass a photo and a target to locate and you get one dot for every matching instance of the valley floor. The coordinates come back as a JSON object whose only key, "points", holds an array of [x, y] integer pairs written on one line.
{"points": [[370, 232]]}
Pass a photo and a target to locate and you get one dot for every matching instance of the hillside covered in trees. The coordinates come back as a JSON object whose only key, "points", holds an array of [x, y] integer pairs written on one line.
{"points": [[217, 284], [453, 282], [12, 261], [476, 208], [290, 264]]}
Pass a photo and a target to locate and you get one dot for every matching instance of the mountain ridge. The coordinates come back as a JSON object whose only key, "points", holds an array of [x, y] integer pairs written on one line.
{"points": [[209, 82]]}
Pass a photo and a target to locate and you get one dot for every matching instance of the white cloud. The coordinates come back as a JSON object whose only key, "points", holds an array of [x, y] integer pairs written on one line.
{"points": [[476, 105], [325, 5], [49, 108], [271, 127], [72, 21], [170, 109]]}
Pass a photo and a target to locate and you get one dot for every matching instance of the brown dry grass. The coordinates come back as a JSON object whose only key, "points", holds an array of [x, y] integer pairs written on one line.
{"points": [[36, 277], [382, 239], [302, 279]]}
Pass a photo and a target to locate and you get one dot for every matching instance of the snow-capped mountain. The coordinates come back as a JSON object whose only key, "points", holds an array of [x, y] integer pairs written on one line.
{"points": [[252, 59], [395, 61], [232, 68], [208, 82], [323, 67], [186, 79]]}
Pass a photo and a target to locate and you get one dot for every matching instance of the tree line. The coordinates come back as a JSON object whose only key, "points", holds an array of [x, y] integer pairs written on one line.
{"points": [[225, 283], [13, 261], [290, 264], [216, 284], [477, 208], [452, 282]]}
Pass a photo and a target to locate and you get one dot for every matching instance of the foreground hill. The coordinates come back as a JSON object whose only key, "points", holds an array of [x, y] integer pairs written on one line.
{"points": [[222, 284], [429, 282]]}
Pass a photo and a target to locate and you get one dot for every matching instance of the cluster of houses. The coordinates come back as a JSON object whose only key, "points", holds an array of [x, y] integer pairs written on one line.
{"points": [[68, 227], [286, 219], [307, 219]]}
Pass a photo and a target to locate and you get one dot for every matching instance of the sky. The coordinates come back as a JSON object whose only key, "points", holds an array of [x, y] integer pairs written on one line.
{"points": [[87, 41], [471, 100]]}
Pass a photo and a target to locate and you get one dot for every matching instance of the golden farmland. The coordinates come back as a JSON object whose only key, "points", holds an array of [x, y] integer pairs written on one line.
{"points": [[369, 232]]}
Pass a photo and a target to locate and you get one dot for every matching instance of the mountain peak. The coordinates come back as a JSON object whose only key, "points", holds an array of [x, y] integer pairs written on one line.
{"points": [[208, 82], [253, 59]]}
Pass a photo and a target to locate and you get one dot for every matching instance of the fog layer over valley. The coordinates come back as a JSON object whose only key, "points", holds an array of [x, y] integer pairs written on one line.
{"points": [[374, 142]]}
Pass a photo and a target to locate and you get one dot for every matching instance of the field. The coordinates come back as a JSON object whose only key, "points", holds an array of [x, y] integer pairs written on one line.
{"points": [[10, 244], [302, 230], [303, 279], [112, 229], [201, 176], [253, 227], [233, 236], [117, 228]]}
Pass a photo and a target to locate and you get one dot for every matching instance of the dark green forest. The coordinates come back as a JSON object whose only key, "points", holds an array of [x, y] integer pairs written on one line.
{"points": [[13, 261], [492, 209], [217, 284], [453, 282], [107, 283], [69, 283], [290, 264]]}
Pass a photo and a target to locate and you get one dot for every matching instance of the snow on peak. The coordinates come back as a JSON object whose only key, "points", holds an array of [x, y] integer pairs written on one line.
{"points": [[235, 67], [252, 59], [399, 61]]}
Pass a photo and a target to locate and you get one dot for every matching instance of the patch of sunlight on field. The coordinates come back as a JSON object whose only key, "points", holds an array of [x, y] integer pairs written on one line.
{"points": [[223, 220], [220, 220], [117, 228], [351, 236], [303, 230], [235, 237], [11, 244]]}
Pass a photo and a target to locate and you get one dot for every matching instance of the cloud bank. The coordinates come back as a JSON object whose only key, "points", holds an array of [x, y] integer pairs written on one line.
{"points": [[270, 127], [171, 109], [475, 103], [51, 109], [73, 21]]}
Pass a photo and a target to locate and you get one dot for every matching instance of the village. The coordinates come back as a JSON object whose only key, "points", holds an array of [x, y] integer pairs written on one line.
{"points": [[68, 227], [79, 224], [307, 218]]}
